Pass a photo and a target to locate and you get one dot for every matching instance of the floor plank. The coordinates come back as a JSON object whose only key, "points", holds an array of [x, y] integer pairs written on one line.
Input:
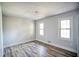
{"points": [[36, 49]]}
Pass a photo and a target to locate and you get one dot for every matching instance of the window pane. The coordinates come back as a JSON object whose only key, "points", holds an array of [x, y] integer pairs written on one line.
{"points": [[41, 32], [65, 33], [65, 23], [41, 26]]}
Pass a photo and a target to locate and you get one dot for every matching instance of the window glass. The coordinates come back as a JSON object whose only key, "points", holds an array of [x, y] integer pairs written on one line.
{"points": [[41, 28]]}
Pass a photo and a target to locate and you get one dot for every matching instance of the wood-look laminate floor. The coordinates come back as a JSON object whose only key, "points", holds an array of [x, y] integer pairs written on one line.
{"points": [[36, 49]]}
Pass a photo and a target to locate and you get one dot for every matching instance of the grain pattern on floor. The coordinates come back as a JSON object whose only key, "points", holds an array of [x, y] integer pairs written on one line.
{"points": [[34, 49]]}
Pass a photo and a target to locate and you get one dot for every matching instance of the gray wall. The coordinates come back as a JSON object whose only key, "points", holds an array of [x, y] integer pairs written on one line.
{"points": [[78, 37], [1, 49], [51, 31], [17, 30]]}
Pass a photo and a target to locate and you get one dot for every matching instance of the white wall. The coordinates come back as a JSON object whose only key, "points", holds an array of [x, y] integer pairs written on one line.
{"points": [[76, 30], [1, 49], [51, 31], [17, 30]]}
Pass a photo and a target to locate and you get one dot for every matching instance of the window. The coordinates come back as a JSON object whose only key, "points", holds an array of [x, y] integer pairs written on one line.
{"points": [[41, 28], [65, 28]]}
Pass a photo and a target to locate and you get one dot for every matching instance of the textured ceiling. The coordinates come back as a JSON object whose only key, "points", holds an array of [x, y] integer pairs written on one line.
{"points": [[37, 10]]}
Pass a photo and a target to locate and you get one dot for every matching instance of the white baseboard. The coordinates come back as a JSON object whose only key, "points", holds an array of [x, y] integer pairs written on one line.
{"points": [[70, 49], [20, 42]]}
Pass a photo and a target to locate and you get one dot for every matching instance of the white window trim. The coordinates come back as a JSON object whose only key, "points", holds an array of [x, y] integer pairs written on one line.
{"points": [[41, 29], [71, 30]]}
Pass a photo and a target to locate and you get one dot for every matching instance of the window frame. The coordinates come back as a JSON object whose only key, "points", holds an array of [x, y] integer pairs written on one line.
{"points": [[59, 28], [41, 29]]}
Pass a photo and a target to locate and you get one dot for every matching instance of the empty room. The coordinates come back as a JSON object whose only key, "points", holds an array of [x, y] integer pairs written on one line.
{"points": [[39, 29]]}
